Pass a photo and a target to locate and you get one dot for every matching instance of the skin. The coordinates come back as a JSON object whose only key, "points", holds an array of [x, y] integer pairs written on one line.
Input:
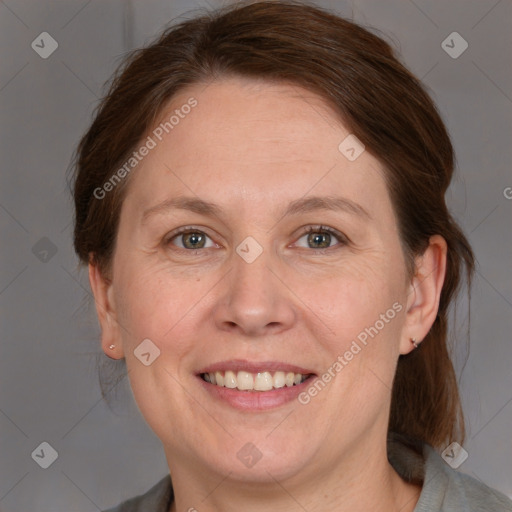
{"points": [[252, 147]]}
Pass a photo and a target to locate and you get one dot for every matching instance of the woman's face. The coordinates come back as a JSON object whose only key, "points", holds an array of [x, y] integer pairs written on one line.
{"points": [[247, 289]]}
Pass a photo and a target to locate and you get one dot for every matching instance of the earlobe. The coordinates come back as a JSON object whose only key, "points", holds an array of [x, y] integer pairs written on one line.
{"points": [[424, 293], [106, 310]]}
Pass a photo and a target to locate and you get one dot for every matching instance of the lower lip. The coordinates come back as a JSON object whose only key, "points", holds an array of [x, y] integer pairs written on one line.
{"points": [[255, 400]]}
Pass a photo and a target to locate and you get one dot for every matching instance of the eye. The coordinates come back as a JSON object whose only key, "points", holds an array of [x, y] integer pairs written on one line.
{"points": [[188, 238], [315, 237], [319, 237]]}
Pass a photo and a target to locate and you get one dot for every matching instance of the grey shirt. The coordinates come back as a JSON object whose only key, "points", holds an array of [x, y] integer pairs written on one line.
{"points": [[444, 489]]}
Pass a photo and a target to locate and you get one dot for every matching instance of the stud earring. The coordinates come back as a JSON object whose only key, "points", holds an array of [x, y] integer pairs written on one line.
{"points": [[415, 343], [112, 347]]}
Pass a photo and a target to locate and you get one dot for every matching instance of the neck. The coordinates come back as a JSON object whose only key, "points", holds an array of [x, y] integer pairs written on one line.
{"points": [[361, 482]]}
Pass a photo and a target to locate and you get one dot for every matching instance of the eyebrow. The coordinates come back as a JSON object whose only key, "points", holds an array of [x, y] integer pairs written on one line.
{"points": [[297, 207]]}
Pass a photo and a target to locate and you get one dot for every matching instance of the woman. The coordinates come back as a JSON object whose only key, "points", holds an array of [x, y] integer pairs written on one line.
{"points": [[260, 201]]}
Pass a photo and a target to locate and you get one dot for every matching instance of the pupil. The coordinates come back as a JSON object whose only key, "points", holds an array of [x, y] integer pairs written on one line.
{"points": [[320, 238], [194, 239]]}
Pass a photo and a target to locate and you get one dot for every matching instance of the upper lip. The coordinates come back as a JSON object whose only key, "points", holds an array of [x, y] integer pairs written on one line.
{"points": [[243, 365]]}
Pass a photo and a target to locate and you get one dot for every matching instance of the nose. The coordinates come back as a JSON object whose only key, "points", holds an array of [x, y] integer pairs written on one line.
{"points": [[255, 300]]}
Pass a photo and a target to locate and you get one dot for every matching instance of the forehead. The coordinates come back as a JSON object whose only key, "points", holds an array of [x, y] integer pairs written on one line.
{"points": [[252, 141]]}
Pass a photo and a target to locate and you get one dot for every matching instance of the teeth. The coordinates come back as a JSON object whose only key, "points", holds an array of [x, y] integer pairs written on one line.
{"points": [[279, 380], [230, 379], [245, 380], [261, 381]]}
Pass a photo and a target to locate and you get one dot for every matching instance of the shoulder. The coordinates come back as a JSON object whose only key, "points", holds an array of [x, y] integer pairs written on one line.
{"points": [[445, 489], [157, 499]]}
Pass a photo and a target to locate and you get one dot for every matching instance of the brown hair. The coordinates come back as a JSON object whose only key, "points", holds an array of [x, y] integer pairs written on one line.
{"points": [[376, 97]]}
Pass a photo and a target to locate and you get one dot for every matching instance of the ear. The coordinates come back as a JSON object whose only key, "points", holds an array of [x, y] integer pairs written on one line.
{"points": [[102, 289], [424, 293]]}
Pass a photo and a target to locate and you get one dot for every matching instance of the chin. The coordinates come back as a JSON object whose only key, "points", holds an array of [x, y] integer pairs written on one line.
{"points": [[262, 460]]}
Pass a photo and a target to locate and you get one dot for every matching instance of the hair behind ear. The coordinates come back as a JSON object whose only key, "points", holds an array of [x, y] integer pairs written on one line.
{"points": [[426, 402]]}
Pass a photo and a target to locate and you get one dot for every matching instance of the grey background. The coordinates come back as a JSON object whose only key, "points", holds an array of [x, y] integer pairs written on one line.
{"points": [[49, 334]]}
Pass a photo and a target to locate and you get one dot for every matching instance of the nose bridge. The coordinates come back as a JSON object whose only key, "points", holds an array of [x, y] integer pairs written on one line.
{"points": [[251, 278], [251, 290], [254, 301]]}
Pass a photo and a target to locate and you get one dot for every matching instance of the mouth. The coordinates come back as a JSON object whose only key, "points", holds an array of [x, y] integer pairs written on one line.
{"points": [[256, 387], [255, 381]]}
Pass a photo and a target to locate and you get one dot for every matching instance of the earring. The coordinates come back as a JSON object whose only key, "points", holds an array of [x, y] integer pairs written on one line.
{"points": [[112, 347], [415, 343]]}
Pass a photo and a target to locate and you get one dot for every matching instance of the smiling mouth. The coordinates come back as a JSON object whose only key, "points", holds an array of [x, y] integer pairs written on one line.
{"points": [[260, 381]]}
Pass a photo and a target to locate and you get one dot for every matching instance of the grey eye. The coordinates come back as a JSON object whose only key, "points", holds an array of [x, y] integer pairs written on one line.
{"points": [[192, 240]]}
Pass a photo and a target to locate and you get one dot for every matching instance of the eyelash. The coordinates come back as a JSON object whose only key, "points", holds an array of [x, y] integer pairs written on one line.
{"points": [[342, 239]]}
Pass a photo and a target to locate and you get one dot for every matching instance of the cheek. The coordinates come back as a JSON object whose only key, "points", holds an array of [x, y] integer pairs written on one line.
{"points": [[154, 306], [152, 303], [362, 308], [352, 295]]}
